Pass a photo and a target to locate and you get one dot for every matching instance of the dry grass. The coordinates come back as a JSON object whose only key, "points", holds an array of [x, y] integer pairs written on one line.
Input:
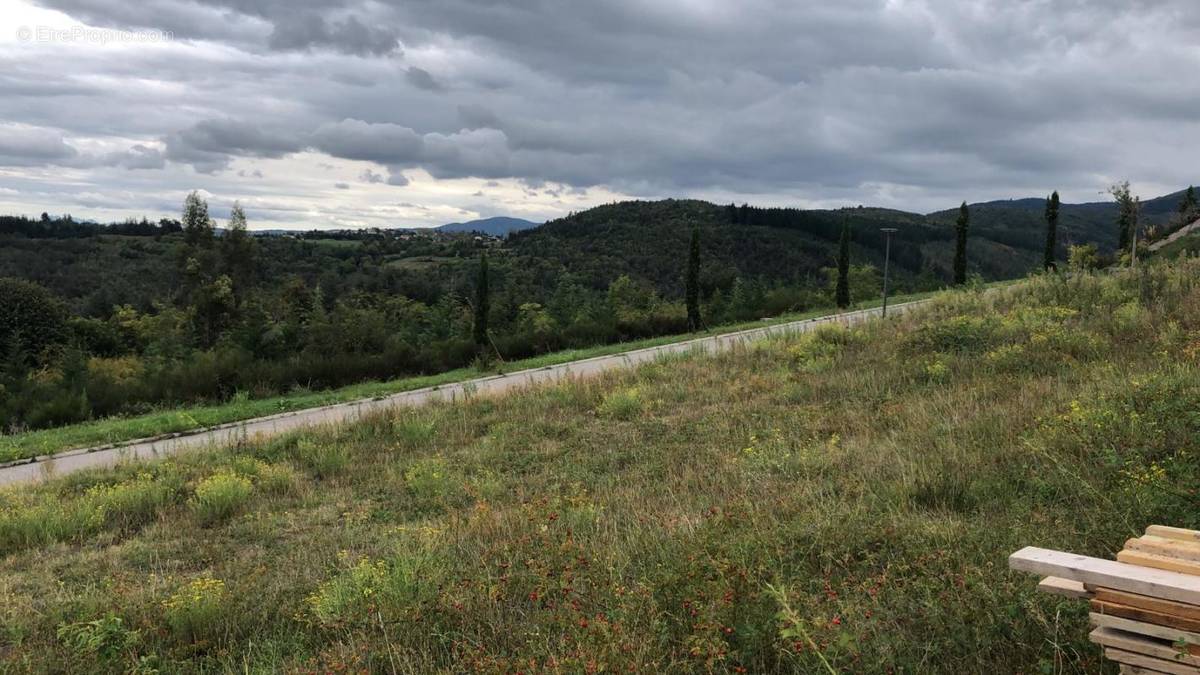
{"points": [[845, 498]]}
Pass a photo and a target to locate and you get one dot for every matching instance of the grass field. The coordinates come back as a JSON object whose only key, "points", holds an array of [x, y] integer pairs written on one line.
{"points": [[170, 420], [840, 501]]}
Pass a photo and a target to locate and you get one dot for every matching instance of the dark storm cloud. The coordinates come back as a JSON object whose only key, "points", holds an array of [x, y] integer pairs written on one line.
{"points": [[310, 30], [421, 79], [929, 99]]}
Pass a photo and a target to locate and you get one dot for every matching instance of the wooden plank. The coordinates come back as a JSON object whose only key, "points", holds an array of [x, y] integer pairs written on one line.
{"points": [[1134, 670], [1107, 573], [1143, 661], [1142, 628], [1173, 533], [1064, 587], [1178, 609], [1143, 644], [1172, 548], [1158, 562], [1149, 616]]}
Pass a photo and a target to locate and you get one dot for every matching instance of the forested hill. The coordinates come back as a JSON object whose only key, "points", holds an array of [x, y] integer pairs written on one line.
{"points": [[645, 239], [1021, 222], [144, 314]]}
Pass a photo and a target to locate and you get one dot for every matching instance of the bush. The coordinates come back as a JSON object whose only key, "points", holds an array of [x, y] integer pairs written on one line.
{"points": [[194, 611], [32, 321], [623, 404], [132, 502], [325, 460], [220, 496]]}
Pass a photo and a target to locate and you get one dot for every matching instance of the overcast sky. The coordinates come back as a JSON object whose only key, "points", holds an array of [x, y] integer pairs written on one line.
{"points": [[419, 112]]}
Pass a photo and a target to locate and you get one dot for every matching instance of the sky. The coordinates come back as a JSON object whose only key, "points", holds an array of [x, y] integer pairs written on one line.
{"points": [[403, 113]]}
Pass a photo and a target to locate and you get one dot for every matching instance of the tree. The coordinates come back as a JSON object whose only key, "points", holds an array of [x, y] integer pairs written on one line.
{"points": [[197, 226], [1187, 205], [1051, 231], [1127, 219], [843, 267], [238, 251], [33, 322], [692, 284], [960, 245], [479, 329]]}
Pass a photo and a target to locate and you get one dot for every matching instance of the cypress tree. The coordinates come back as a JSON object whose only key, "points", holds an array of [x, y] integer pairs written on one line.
{"points": [[843, 267], [692, 282], [1127, 208], [960, 245], [1187, 207], [479, 330], [1051, 231]]}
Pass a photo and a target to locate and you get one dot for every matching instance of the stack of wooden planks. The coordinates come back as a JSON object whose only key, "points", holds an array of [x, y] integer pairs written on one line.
{"points": [[1145, 606]]}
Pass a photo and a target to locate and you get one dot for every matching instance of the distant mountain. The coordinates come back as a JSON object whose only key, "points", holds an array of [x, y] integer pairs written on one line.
{"points": [[498, 226]]}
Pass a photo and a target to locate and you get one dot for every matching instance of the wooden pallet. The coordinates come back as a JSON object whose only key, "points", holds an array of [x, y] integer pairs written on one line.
{"points": [[1145, 605]]}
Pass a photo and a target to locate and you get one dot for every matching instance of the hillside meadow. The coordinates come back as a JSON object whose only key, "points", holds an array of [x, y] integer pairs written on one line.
{"points": [[840, 501]]}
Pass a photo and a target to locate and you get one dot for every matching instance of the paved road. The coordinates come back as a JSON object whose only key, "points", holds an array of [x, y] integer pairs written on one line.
{"points": [[1176, 235], [234, 432]]}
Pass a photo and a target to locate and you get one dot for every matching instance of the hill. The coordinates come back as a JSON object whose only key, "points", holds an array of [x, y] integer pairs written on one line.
{"points": [[498, 226], [150, 319], [843, 500]]}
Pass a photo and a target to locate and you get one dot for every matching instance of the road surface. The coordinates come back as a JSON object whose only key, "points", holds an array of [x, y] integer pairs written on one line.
{"points": [[40, 468]]}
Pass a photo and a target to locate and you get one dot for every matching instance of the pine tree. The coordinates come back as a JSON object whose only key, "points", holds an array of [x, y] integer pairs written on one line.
{"points": [[960, 245], [843, 267], [692, 282], [479, 330], [1051, 231], [197, 226]]}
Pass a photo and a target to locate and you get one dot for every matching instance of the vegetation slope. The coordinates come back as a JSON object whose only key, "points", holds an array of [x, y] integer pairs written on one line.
{"points": [[843, 500]]}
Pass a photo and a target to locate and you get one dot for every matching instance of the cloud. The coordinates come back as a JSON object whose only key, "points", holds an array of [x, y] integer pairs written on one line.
{"points": [[369, 176], [421, 79], [342, 186], [22, 145], [909, 103], [309, 30]]}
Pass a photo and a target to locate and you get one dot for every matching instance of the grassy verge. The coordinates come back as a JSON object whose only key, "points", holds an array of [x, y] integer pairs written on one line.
{"points": [[172, 420], [844, 498]]}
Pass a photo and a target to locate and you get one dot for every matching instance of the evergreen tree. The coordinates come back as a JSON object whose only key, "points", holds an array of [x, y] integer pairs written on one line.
{"points": [[197, 226], [692, 283], [960, 245], [1187, 206], [1051, 231], [479, 330], [1127, 216], [238, 251], [843, 267]]}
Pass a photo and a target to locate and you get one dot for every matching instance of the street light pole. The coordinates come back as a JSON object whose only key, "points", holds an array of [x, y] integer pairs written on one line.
{"points": [[887, 257]]}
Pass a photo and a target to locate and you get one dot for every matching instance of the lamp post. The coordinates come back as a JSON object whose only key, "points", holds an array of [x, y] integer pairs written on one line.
{"points": [[887, 256]]}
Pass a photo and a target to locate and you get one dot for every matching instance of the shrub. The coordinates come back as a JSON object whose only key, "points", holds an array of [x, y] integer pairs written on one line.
{"points": [[276, 479], [431, 482], [957, 333], [194, 611], [372, 589], [28, 520], [623, 404], [220, 496], [323, 459], [106, 639], [132, 502]]}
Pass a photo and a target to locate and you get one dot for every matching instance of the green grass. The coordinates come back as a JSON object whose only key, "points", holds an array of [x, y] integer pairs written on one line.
{"points": [[120, 429], [843, 498]]}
